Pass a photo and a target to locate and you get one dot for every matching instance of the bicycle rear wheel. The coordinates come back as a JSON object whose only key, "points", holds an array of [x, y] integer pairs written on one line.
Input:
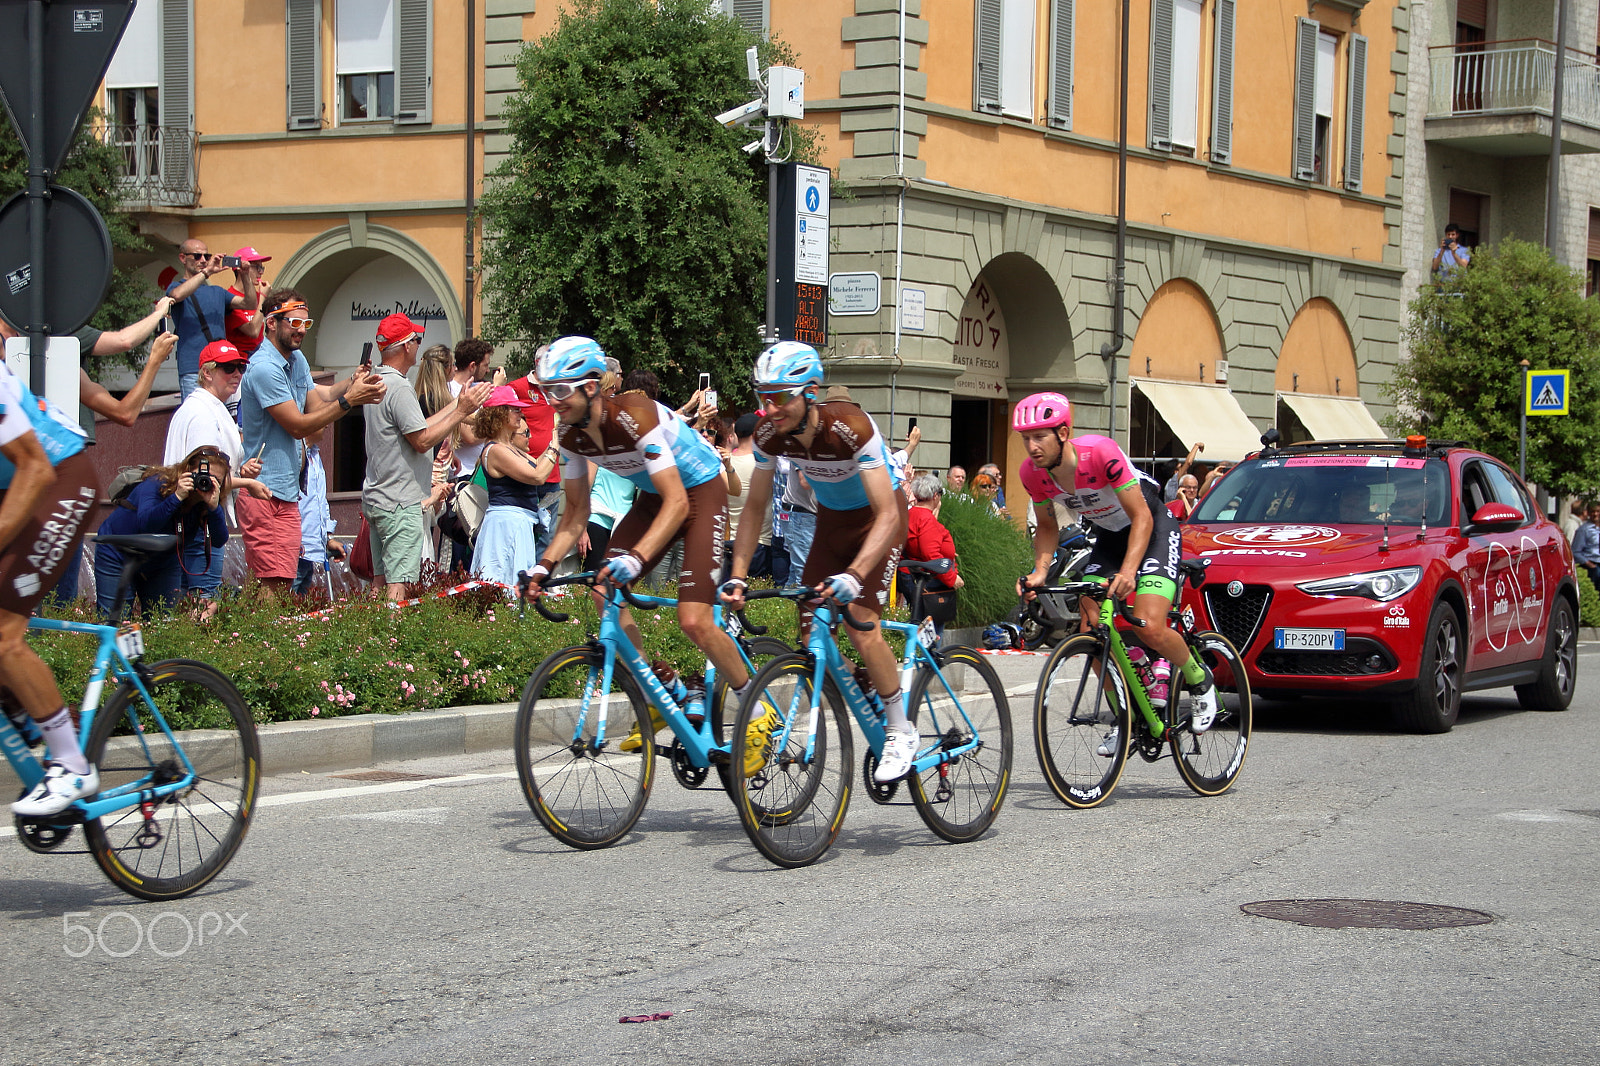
{"points": [[1210, 763], [791, 784], [586, 792], [1081, 706], [959, 799], [185, 839]]}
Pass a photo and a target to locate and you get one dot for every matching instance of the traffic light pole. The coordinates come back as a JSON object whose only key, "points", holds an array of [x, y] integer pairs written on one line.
{"points": [[38, 199]]}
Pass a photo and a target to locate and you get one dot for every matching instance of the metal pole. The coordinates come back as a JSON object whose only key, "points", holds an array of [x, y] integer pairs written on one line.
{"points": [[38, 198], [471, 176], [1109, 350], [1522, 432], [771, 329], [1552, 207]]}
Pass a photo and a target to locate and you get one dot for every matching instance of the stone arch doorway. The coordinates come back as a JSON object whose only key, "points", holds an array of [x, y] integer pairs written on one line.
{"points": [[1013, 337], [1317, 382], [1177, 348], [352, 280]]}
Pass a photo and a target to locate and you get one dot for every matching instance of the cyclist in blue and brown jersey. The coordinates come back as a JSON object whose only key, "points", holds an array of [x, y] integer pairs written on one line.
{"points": [[861, 517], [49, 491], [681, 494], [1137, 541]]}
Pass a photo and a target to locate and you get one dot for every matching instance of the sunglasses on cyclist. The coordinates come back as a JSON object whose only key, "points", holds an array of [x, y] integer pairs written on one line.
{"points": [[560, 390], [780, 397]]}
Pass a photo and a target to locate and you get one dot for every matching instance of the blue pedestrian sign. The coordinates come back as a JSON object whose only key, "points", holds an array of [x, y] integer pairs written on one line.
{"points": [[813, 198], [1546, 392]]}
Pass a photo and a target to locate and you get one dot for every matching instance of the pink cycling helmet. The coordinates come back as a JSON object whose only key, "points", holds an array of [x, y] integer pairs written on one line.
{"points": [[1042, 410]]}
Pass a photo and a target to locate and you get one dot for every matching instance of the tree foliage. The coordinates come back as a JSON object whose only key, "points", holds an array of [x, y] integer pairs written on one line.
{"points": [[625, 212], [92, 169], [1462, 379]]}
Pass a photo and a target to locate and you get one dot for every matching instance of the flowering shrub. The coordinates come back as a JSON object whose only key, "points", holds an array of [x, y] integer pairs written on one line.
{"points": [[363, 656]]}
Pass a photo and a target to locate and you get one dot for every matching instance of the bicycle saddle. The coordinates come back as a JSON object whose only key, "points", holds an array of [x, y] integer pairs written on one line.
{"points": [[929, 566], [137, 543]]}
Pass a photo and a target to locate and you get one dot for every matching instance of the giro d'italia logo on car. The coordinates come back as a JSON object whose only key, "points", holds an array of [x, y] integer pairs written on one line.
{"points": [[1277, 536]]}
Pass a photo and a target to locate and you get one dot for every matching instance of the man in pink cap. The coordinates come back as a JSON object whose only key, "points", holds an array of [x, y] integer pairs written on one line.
{"points": [[201, 308], [245, 323], [400, 442]]}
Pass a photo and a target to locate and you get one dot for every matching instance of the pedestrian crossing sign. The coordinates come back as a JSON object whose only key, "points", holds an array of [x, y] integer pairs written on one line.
{"points": [[1546, 392]]}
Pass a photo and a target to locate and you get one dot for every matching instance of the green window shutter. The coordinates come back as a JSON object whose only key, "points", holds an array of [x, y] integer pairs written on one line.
{"points": [[1058, 108], [1161, 16], [303, 49], [1305, 99], [413, 61], [1222, 86], [986, 58], [176, 94], [753, 13], [1355, 120]]}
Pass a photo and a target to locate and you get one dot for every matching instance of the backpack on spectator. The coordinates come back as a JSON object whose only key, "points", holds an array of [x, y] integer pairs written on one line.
{"points": [[126, 480]]}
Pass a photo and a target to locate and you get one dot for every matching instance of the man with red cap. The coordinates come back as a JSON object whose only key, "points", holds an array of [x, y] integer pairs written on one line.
{"points": [[245, 323], [400, 441]]}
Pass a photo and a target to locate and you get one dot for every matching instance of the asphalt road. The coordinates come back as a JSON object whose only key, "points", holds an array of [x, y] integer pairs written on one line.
{"points": [[432, 920]]}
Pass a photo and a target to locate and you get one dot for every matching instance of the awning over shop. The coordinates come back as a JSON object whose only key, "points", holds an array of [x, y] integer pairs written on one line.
{"points": [[1205, 413], [1333, 417]]}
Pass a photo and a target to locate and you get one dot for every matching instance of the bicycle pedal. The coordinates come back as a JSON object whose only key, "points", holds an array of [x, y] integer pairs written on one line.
{"points": [[65, 819]]}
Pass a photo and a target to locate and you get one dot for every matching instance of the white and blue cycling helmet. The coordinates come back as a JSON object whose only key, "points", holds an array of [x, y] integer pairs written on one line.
{"points": [[787, 365], [572, 359]]}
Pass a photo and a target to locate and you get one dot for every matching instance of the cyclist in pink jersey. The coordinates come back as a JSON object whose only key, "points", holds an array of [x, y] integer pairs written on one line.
{"points": [[1137, 545]]}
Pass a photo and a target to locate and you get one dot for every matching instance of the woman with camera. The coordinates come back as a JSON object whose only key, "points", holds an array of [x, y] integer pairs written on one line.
{"points": [[203, 421], [185, 499]]}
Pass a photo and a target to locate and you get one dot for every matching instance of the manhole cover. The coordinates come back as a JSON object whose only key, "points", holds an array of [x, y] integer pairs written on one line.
{"points": [[386, 775], [1365, 914]]}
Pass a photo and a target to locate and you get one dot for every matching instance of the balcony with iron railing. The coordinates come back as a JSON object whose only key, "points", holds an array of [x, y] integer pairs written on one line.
{"points": [[1495, 98], [160, 165]]}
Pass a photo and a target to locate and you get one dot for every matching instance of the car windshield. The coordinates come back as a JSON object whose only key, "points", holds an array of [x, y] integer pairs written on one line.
{"points": [[1330, 490]]}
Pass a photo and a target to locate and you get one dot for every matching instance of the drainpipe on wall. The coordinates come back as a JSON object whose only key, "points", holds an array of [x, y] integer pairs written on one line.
{"points": [[471, 170], [1110, 349], [1552, 205], [900, 212]]}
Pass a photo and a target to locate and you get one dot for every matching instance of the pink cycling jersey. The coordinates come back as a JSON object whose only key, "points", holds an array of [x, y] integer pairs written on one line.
{"points": [[1103, 471]]}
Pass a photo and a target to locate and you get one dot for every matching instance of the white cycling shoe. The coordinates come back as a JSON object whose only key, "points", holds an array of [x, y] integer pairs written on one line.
{"points": [[1203, 709], [58, 791], [899, 751]]}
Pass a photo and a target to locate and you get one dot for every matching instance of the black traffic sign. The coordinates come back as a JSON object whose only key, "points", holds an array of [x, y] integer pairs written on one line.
{"points": [[79, 39], [77, 249]]}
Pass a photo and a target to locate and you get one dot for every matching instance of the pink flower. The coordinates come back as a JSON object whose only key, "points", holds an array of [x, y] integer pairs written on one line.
{"points": [[315, 711]]}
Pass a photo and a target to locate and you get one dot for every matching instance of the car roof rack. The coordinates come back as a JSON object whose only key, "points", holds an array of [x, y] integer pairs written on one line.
{"points": [[1435, 447]]}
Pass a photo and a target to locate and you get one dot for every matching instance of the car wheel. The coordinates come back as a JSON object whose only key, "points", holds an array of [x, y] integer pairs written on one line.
{"points": [[1558, 674], [1435, 702]]}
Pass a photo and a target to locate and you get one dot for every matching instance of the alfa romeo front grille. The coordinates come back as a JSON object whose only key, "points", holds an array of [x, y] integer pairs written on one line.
{"points": [[1238, 617]]}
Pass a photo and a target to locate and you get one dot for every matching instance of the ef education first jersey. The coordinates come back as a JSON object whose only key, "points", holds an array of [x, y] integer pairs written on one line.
{"points": [[638, 437], [1103, 471], [22, 411], [847, 442]]}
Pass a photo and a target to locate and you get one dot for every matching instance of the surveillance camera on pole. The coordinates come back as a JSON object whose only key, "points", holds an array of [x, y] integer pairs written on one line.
{"points": [[743, 114]]}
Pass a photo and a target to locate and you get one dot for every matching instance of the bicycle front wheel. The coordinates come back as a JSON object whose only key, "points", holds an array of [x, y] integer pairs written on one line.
{"points": [[1081, 710], [587, 790], [790, 770], [962, 704], [179, 843], [760, 651], [1210, 763]]}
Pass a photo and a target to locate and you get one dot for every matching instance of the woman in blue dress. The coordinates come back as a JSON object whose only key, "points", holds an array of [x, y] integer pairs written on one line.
{"points": [[506, 543]]}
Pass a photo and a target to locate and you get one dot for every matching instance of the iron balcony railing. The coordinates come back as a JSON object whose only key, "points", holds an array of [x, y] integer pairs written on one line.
{"points": [[1509, 77], [160, 164]]}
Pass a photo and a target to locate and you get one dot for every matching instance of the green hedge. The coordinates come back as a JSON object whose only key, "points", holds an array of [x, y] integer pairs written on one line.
{"points": [[991, 554], [1588, 601]]}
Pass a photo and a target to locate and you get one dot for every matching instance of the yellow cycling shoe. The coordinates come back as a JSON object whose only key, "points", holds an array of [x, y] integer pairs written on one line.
{"points": [[632, 742], [757, 736]]}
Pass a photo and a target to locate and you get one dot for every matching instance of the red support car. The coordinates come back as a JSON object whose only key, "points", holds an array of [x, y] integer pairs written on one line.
{"points": [[1410, 571]]}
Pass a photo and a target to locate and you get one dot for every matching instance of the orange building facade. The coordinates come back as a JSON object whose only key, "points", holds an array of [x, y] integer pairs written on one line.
{"points": [[977, 141]]}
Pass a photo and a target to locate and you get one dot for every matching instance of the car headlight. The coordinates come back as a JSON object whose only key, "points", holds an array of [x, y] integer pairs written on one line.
{"points": [[1383, 585]]}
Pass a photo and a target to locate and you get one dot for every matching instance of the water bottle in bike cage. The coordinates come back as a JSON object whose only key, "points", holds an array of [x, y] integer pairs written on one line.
{"points": [[1142, 666], [864, 682], [25, 724], [694, 697], [668, 676]]}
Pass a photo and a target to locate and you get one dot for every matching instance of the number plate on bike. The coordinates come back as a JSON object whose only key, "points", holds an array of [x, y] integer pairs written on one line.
{"points": [[130, 642], [927, 633], [1308, 639]]}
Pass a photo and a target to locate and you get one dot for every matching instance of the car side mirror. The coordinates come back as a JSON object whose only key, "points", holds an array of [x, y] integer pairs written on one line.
{"points": [[1496, 514]]}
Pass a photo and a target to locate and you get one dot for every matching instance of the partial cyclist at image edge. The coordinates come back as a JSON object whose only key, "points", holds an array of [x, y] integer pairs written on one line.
{"points": [[49, 490], [1138, 543], [680, 493], [861, 517]]}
